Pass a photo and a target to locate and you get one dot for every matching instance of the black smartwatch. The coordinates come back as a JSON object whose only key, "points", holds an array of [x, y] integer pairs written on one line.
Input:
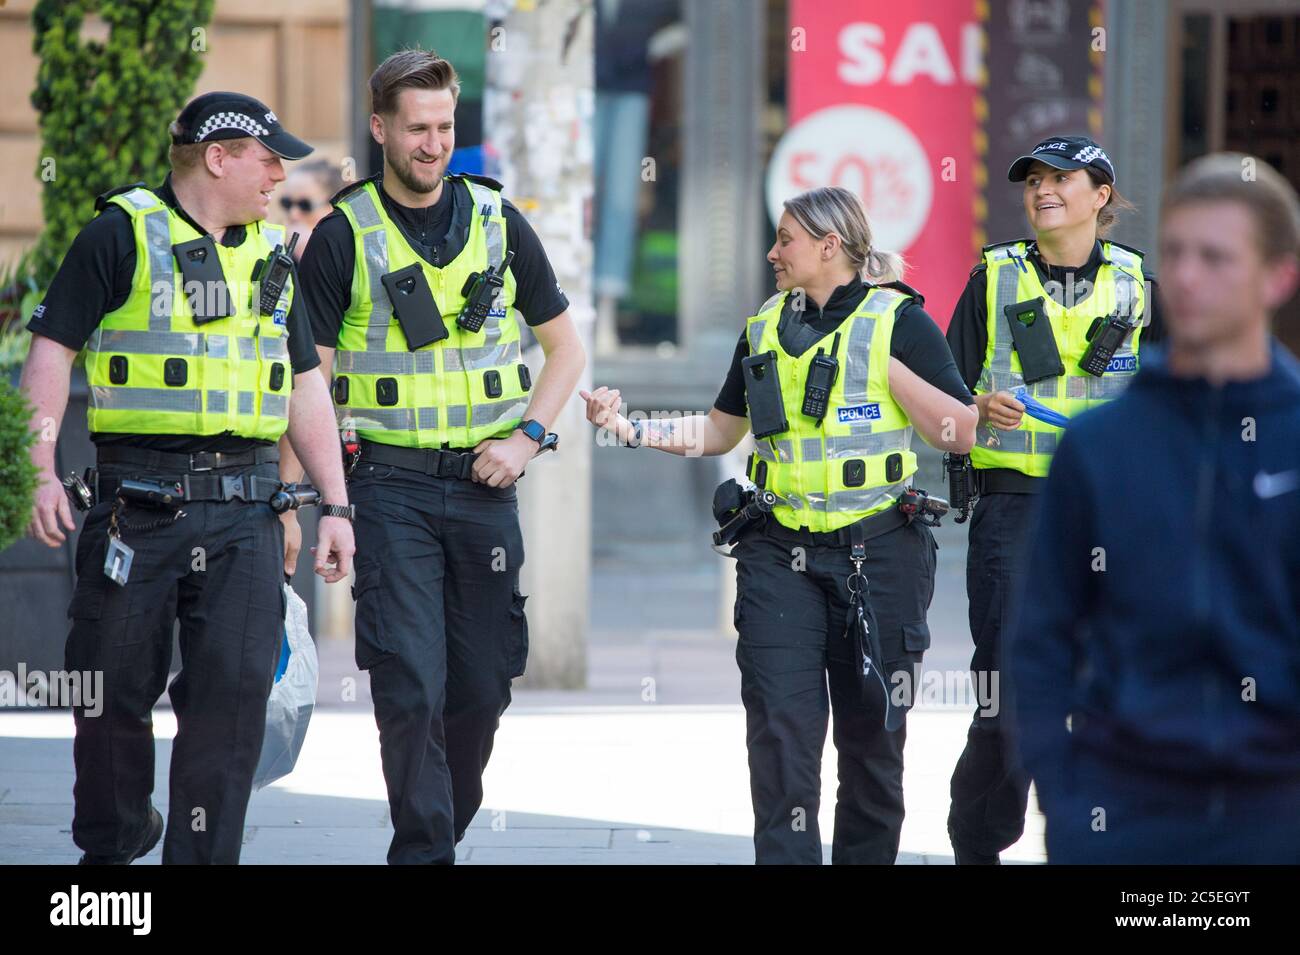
{"points": [[534, 429], [348, 511]]}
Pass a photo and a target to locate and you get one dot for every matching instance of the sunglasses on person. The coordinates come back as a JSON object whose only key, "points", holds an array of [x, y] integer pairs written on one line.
{"points": [[305, 205]]}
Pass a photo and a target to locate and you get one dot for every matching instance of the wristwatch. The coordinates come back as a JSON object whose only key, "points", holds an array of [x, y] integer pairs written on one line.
{"points": [[534, 429], [635, 440], [347, 511]]}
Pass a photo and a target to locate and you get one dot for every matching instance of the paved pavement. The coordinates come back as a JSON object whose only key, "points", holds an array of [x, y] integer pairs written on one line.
{"points": [[646, 765]]}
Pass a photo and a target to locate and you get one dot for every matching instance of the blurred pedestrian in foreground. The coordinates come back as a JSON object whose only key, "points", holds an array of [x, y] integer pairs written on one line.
{"points": [[1155, 662]]}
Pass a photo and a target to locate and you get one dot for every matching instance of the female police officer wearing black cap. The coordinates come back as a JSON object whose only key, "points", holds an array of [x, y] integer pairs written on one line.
{"points": [[838, 467], [1088, 291]]}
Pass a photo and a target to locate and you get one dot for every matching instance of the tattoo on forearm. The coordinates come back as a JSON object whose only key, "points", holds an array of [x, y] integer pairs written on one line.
{"points": [[659, 431]]}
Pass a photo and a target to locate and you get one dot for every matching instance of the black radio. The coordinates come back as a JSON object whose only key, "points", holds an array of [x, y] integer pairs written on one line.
{"points": [[1103, 341], [480, 293], [273, 273], [822, 373]]}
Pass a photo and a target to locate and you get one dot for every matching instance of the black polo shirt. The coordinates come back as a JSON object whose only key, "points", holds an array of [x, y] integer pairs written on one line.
{"points": [[95, 278], [968, 335], [437, 233], [916, 341]]}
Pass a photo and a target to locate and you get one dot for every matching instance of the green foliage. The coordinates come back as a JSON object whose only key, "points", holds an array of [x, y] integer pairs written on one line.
{"points": [[105, 106], [18, 296], [18, 476]]}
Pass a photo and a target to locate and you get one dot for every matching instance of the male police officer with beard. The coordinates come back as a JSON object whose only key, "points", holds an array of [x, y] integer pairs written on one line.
{"points": [[187, 359], [448, 416]]}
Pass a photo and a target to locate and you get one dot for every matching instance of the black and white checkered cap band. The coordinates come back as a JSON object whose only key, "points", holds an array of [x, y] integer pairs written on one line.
{"points": [[1089, 153], [230, 121]]}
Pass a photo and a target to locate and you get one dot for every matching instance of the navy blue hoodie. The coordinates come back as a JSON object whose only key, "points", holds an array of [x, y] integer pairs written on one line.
{"points": [[1183, 655]]}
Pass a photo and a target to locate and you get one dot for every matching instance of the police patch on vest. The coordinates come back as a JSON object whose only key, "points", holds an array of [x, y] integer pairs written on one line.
{"points": [[278, 316], [1123, 363], [496, 313], [867, 412]]}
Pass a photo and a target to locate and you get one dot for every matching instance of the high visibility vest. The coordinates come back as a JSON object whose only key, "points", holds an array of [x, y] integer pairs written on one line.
{"points": [[856, 462], [153, 370], [454, 392], [1118, 286]]}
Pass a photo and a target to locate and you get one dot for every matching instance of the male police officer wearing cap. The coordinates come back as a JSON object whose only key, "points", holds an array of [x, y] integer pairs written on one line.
{"points": [[186, 358], [1063, 316], [448, 416]]}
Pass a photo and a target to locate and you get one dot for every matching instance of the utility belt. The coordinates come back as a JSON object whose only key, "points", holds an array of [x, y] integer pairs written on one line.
{"points": [[456, 463], [874, 526], [1006, 481], [738, 510], [164, 481]]}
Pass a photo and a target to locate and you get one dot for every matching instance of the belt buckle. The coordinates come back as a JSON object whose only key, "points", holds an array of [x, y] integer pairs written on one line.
{"points": [[448, 464], [206, 455], [232, 487]]}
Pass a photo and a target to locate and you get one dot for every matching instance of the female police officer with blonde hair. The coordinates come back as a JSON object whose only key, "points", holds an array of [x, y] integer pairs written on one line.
{"points": [[832, 374]]}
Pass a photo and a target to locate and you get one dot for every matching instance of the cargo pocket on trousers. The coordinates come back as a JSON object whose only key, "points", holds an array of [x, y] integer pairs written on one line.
{"points": [[518, 634], [373, 646], [88, 599], [916, 637]]}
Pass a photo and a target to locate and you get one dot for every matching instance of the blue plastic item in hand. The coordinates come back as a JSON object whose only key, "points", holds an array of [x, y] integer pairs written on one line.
{"points": [[1036, 409]]}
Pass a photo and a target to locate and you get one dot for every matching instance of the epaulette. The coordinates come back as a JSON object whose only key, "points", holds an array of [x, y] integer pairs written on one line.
{"points": [[101, 201], [995, 246], [482, 180], [352, 187], [905, 289]]}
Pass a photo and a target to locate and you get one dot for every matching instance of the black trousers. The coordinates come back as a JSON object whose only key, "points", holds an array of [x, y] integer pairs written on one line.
{"points": [[219, 569], [440, 626], [797, 667], [990, 792]]}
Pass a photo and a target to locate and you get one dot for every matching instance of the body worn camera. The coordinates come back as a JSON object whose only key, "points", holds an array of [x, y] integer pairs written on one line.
{"points": [[480, 291], [1031, 333], [763, 394], [1105, 337], [204, 281], [414, 307], [273, 273]]}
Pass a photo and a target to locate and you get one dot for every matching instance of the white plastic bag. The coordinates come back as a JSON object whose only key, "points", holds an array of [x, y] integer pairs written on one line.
{"points": [[288, 709]]}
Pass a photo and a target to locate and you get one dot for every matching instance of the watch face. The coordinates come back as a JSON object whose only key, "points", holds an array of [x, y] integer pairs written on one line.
{"points": [[534, 430]]}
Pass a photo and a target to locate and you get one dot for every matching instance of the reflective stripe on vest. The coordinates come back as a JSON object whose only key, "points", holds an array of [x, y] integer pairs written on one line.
{"points": [[805, 466], [1117, 288], [153, 370], [442, 394]]}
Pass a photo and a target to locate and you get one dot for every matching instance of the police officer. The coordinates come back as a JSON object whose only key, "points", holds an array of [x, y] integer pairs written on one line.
{"points": [[447, 416], [838, 468], [1031, 312], [190, 390]]}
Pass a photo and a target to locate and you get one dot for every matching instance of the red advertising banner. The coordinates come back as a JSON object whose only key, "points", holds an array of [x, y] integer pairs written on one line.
{"points": [[882, 100]]}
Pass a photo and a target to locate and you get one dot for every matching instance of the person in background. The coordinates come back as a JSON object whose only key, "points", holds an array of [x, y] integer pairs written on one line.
{"points": [[305, 198], [1155, 663]]}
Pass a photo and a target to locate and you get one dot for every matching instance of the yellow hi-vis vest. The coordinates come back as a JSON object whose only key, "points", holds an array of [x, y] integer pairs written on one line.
{"points": [[830, 475], [1117, 287], [454, 392], [153, 370]]}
